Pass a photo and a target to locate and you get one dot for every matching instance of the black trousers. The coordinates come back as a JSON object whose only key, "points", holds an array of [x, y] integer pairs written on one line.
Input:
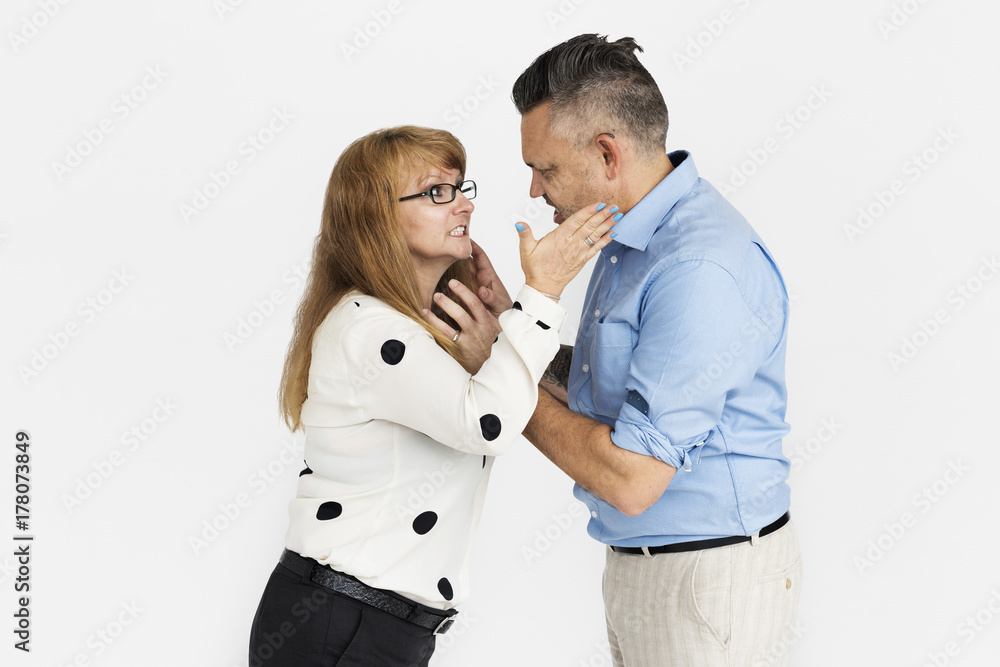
{"points": [[302, 624]]}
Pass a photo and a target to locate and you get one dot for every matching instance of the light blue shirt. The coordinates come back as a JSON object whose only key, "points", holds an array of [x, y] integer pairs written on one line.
{"points": [[681, 350]]}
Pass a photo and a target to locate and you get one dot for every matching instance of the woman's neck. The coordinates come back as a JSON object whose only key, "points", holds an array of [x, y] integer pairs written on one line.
{"points": [[427, 281]]}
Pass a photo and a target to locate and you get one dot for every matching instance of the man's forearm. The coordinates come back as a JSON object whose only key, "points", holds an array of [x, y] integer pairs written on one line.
{"points": [[555, 380], [582, 448]]}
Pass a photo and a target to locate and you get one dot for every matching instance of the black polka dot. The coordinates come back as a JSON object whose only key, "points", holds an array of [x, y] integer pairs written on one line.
{"points": [[329, 510], [357, 304], [444, 586], [484, 460], [423, 523], [306, 471], [392, 351], [490, 426], [543, 325], [517, 306]]}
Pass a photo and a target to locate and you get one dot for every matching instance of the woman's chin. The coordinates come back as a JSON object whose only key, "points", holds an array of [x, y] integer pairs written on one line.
{"points": [[464, 244]]}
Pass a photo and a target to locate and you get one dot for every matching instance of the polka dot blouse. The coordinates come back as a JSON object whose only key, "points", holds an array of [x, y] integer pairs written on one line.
{"points": [[400, 441]]}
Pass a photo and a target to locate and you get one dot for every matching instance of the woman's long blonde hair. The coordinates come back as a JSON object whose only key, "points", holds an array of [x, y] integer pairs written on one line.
{"points": [[360, 244]]}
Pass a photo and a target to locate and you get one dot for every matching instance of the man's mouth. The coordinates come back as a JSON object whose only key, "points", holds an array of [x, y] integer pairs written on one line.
{"points": [[458, 231], [557, 217]]}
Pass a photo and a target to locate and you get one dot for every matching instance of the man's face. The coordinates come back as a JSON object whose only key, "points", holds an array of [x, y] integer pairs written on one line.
{"points": [[567, 177]]}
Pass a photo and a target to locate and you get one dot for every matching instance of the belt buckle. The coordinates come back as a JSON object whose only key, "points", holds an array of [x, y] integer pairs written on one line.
{"points": [[443, 626]]}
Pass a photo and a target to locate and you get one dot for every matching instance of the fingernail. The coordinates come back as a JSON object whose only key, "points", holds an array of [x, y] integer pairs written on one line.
{"points": [[600, 206], [614, 234], [452, 283], [519, 227], [437, 295], [618, 216], [613, 209]]}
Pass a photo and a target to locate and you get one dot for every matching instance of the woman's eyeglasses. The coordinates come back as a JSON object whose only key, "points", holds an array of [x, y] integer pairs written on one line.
{"points": [[444, 193]]}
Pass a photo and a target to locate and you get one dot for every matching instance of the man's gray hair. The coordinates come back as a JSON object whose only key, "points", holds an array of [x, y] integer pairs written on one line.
{"points": [[596, 86]]}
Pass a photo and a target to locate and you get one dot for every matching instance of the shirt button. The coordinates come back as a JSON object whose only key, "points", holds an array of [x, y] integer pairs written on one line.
{"points": [[597, 313], [593, 514], [585, 368], [614, 259]]}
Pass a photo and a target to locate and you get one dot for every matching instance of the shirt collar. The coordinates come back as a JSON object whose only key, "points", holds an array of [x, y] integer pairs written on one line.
{"points": [[637, 226]]}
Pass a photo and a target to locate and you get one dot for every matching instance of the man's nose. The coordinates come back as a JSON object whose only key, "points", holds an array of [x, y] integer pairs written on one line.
{"points": [[535, 189]]}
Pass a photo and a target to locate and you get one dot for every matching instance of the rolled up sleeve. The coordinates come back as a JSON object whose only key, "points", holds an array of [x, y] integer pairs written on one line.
{"points": [[698, 342]]}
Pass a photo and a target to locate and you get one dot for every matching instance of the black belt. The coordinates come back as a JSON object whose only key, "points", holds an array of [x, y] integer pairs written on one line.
{"points": [[438, 620], [703, 544]]}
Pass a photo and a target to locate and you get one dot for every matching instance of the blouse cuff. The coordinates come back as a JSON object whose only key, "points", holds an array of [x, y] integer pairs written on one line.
{"points": [[548, 313]]}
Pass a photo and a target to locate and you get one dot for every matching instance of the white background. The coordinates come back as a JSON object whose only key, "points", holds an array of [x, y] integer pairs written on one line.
{"points": [[880, 95]]}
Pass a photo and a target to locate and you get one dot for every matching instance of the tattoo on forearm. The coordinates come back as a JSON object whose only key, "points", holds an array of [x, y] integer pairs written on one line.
{"points": [[558, 371]]}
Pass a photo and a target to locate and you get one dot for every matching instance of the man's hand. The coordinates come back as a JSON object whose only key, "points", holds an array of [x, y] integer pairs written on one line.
{"points": [[491, 291], [479, 326]]}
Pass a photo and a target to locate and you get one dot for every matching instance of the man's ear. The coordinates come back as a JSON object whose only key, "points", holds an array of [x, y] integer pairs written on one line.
{"points": [[611, 151]]}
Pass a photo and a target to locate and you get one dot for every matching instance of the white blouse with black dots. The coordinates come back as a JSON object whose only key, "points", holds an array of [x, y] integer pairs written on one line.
{"points": [[400, 441]]}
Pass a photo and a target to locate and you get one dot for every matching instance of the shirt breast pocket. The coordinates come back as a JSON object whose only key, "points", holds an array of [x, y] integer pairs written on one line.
{"points": [[610, 360]]}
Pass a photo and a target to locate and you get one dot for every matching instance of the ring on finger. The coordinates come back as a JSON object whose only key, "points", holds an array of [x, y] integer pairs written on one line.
{"points": [[457, 334], [586, 239]]}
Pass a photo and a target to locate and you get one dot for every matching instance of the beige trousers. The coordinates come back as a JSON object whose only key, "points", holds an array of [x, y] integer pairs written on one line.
{"points": [[725, 607]]}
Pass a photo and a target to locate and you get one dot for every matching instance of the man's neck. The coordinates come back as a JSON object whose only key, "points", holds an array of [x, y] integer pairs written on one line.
{"points": [[646, 176]]}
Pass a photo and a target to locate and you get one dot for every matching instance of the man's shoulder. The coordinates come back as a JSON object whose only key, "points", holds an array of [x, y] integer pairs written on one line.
{"points": [[704, 226]]}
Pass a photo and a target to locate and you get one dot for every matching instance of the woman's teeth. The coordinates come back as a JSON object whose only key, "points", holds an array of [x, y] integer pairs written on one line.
{"points": [[458, 231]]}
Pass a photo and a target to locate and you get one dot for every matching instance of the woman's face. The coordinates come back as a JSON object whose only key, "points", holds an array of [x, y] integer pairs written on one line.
{"points": [[436, 234]]}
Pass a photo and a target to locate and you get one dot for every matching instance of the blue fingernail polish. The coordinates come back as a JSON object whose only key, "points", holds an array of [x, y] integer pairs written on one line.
{"points": [[600, 206], [618, 216], [613, 209], [614, 234], [519, 227]]}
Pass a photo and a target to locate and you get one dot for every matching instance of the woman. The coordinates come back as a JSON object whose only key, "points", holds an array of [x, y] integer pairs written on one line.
{"points": [[402, 421]]}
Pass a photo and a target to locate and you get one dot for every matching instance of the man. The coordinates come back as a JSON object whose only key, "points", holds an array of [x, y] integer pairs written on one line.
{"points": [[669, 412]]}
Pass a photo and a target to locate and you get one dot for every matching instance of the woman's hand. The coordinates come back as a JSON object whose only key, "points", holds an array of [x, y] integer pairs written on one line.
{"points": [[551, 262], [478, 330], [491, 291]]}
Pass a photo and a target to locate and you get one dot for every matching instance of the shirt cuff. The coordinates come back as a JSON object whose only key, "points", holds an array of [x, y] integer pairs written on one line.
{"points": [[542, 308], [635, 433]]}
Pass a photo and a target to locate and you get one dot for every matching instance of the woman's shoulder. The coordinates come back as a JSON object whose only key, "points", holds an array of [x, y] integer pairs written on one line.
{"points": [[362, 315]]}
